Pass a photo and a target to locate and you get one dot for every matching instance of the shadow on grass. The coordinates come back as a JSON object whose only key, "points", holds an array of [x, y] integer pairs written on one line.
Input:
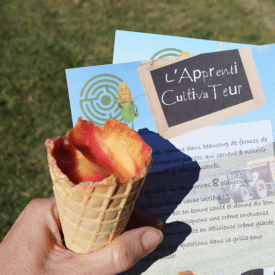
{"points": [[170, 179]]}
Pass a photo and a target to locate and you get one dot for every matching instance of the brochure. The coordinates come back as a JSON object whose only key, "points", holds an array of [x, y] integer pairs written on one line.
{"points": [[137, 46], [209, 119]]}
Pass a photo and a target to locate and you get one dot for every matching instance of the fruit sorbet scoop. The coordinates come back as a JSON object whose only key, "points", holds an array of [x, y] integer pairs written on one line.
{"points": [[97, 174]]}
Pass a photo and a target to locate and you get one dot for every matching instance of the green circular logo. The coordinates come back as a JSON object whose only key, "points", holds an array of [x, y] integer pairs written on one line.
{"points": [[97, 98], [167, 52]]}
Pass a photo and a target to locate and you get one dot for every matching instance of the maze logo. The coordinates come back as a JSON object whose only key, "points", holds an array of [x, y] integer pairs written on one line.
{"points": [[168, 52], [97, 98]]}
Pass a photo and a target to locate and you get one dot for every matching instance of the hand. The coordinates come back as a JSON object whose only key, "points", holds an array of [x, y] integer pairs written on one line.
{"points": [[34, 246]]}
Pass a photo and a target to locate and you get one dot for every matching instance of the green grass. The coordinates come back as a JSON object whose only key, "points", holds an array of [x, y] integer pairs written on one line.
{"points": [[39, 40]]}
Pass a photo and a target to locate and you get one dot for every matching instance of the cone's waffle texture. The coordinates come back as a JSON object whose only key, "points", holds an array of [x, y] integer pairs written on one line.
{"points": [[92, 214]]}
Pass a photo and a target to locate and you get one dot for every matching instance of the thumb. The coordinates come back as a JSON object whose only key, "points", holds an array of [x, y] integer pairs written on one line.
{"points": [[122, 253]]}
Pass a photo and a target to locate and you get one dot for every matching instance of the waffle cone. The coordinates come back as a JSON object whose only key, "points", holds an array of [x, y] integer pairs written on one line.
{"points": [[93, 214]]}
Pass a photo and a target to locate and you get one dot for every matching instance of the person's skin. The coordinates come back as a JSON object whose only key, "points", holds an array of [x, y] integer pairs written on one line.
{"points": [[34, 245]]}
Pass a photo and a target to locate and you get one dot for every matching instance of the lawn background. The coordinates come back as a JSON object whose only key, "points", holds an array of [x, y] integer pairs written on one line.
{"points": [[40, 39]]}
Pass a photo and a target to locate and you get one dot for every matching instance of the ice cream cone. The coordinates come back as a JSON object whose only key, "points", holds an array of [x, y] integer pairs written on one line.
{"points": [[93, 214]]}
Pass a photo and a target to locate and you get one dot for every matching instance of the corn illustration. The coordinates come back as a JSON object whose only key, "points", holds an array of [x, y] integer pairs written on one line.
{"points": [[128, 109], [184, 53]]}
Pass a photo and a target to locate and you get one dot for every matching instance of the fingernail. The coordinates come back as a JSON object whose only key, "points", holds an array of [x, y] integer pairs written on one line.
{"points": [[151, 239]]}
